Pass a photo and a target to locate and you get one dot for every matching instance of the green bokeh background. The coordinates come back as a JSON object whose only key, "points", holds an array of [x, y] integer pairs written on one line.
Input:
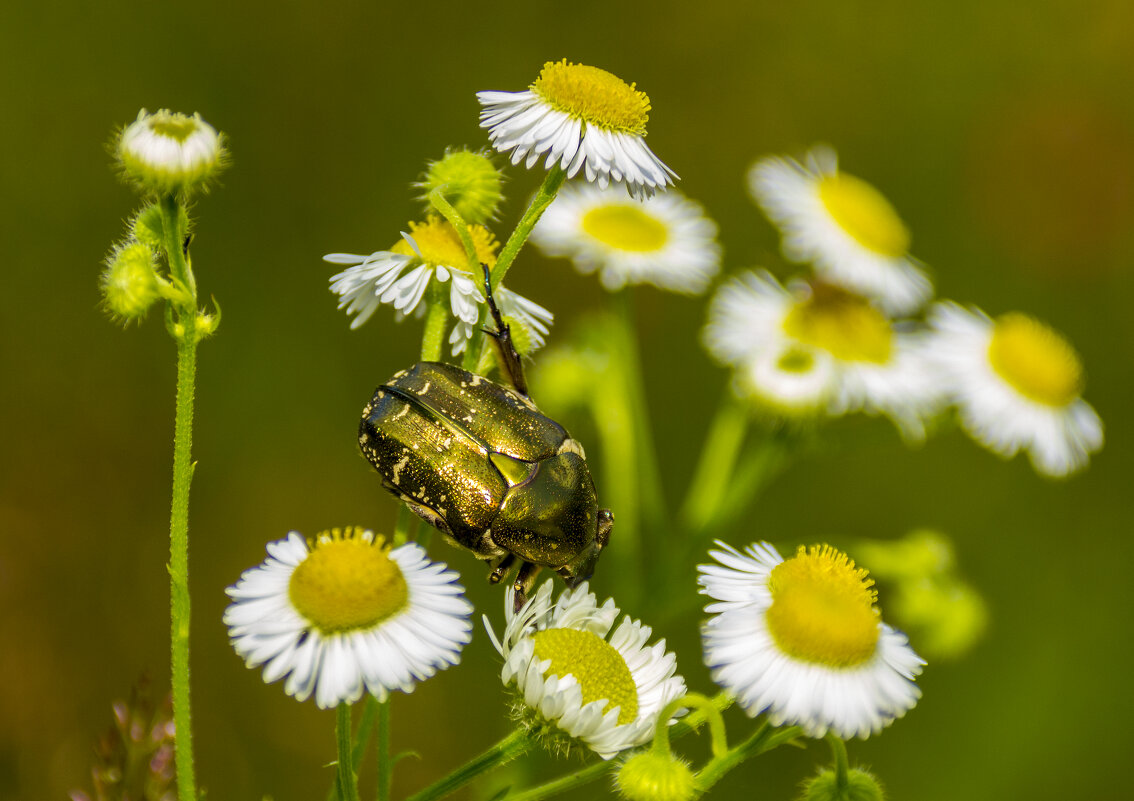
{"points": [[1003, 131]]}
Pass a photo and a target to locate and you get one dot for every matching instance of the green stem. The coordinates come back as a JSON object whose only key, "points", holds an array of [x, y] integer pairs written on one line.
{"points": [[173, 237], [385, 765], [839, 754], [364, 731], [654, 514], [765, 738], [504, 751], [179, 557], [523, 230], [760, 463], [436, 315], [715, 467], [438, 201], [347, 781], [701, 703], [402, 524], [565, 783]]}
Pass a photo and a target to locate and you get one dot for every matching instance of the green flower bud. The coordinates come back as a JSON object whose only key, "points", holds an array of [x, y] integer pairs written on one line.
{"points": [[469, 181], [861, 786], [166, 153], [129, 283], [148, 228], [650, 776]]}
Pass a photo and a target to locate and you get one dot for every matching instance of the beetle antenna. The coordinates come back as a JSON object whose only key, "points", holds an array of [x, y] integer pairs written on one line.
{"points": [[509, 357]]}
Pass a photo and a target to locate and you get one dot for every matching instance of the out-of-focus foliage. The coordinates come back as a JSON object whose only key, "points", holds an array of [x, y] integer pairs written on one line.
{"points": [[1003, 135]]}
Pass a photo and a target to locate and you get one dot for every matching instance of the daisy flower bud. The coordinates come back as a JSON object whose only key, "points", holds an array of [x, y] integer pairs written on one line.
{"points": [[469, 181], [129, 283], [148, 228], [860, 786], [650, 776], [167, 152]]}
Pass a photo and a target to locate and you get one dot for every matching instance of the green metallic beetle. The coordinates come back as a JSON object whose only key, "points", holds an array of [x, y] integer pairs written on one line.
{"points": [[479, 462]]}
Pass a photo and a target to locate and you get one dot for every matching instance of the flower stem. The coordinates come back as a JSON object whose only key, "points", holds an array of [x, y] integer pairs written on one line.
{"points": [[385, 765], [765, 738], [433, 338], [179, 561], [364, 731], [523, 230], [564, 783], [438, 201], [185, 333], [716, 465], [709, 709], [504, 751], [839, 754], [348, 783]]}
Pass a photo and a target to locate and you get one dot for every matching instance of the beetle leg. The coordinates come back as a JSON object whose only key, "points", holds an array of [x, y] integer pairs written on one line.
{"points": [[523, 585], [506, 352], [501, 569]]}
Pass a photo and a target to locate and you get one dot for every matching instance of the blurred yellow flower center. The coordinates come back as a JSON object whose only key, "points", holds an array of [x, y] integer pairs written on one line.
{"points": [[347, 582], [595, 96], [863, 212], [625, 227], [174, 126], [823, 608], [843, 324], [440, 244], [596, 665], [1038, 362]]}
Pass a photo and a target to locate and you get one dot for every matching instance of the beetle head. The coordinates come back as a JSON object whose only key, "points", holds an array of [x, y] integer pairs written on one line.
{"points": [[582, 567]]}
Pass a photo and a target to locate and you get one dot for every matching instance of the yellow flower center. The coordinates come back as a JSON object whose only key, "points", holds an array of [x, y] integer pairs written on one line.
{"points": [[626, 227], [596, 665], [441, 245], [595, 96], [862, 211], [841, 323], [347, 582], [1038, 362], [174, 126], [823, 608]]}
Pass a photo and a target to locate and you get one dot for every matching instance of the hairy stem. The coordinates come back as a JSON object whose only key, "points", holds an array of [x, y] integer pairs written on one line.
{"points": [[347, 781], [179, 561], [523, 230], [504, 751]]}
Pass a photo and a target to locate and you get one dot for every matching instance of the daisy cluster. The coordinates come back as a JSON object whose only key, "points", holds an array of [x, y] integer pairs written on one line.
{"points": [[859, 332]]}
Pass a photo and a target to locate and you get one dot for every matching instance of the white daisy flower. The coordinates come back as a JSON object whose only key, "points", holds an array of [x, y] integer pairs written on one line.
{"points": [[169, 152], [1017, 384], [344, 614], [431, 251], [801, 640], [583, 118], [817, 348], [572, 673], [843, 226], [665, 240]]}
